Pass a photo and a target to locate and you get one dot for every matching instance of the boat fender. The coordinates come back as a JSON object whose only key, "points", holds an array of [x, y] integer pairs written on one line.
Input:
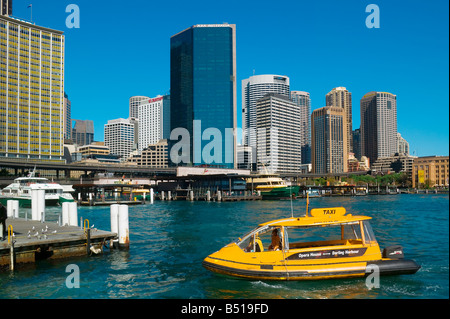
{"points": [[393, 252]]}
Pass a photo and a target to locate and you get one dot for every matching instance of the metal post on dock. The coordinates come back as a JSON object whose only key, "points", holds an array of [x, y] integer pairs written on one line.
{"points": [[114, 214], [65, 214], [12, 207], [73, 214], [11, 247], [37, 204], [169, 195], [208, 195], [151, 195], [219, 196], [124, 240], [88, 241]]}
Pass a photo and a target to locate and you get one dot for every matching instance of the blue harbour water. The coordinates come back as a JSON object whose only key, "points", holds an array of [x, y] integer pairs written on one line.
{"points": [[169, 240]]}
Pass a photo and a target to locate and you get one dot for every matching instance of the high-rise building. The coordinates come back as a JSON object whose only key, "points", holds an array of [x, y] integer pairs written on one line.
{"points": [[83, 132], [203, 94], [329, 140], [356, 137], [303, 100], [120, 136], [378, 125], [134, 104], [278, 134], [6, 7], [253, 89], [341, 97], [402, 145], [67, 120], [154, 121], [154, 155], [244, 158], [31, 90]]}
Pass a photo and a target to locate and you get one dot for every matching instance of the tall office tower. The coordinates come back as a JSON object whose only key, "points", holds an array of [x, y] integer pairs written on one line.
{"points": [[83, 132], [278, 134], [303, 100], [31, 91], [378, 125], [154, 121], [341, 97], [134, 104], [203, 95], [329, 140], [244, 158], [67, 120], [402, 145], [6, 7], [253, 89], [356, 136], [120, 136]]}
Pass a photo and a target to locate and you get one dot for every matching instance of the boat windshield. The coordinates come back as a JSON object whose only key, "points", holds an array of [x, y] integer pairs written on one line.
{"points": [[33, 181], [261, 235]]}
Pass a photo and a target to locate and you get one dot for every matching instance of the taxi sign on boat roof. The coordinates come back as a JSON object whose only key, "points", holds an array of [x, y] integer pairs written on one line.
{"points": [[319, 216]]}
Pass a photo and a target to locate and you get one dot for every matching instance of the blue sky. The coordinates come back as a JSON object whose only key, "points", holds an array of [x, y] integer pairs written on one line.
{"points": [[122, 49]]}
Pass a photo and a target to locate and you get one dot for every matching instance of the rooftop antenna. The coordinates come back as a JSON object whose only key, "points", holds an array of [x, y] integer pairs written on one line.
{"points": [[31, 11], [253, 71]]}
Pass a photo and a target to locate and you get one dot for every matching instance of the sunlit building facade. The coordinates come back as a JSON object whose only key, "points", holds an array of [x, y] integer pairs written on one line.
{"points": [[203, 93], [378, 125], [329, 140], [253, 89], [31, 91], [341, 97]]}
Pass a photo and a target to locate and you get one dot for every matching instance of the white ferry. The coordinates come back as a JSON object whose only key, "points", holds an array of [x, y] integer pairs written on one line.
{"points": [[20, 190]]}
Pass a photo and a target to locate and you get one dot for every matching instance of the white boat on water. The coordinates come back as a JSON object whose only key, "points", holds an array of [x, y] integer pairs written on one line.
{"points": [[21, 189], [313, 193]]}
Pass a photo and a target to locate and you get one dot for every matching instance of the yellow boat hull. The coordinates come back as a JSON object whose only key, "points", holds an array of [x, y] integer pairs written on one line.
{"points": [[278, 265]]}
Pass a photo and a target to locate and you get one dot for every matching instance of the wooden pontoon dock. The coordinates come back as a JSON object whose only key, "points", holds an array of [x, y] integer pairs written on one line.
{"points": [[35, 240]]}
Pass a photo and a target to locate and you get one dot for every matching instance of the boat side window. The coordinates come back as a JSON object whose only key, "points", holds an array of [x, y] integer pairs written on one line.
{"points": [[351, 231], [322, 235]]}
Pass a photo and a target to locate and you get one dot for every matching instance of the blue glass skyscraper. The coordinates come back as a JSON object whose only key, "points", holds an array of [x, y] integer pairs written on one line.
{"points": [[203, 94]]}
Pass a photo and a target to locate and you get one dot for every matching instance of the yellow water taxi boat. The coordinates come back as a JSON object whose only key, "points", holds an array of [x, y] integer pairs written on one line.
{"points": [[327, 243]]}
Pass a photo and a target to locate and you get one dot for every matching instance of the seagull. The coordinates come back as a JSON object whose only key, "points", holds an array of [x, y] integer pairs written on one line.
{"points": [[95, 250], [54, 232]]}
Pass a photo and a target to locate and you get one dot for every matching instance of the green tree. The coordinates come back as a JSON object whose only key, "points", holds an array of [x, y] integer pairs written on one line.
{"points": [[4, 172]]}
